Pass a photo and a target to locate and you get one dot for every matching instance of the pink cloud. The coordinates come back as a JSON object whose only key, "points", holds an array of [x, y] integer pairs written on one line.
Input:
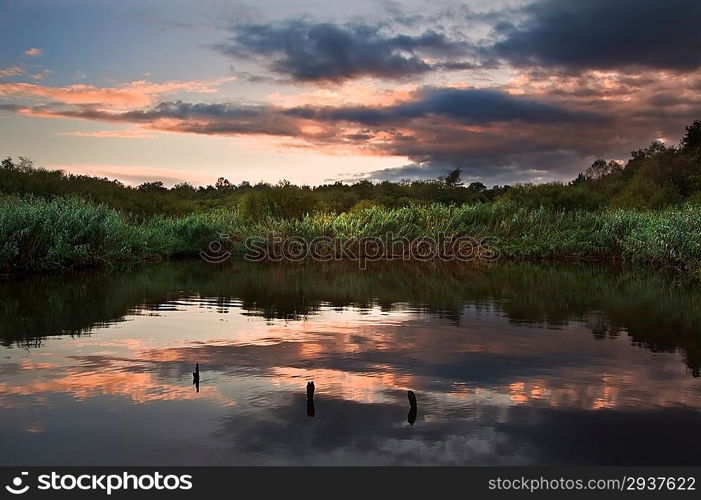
{"points": [[122, 134], [131, 95], [33, 52], [134, 175], [363, 93]]}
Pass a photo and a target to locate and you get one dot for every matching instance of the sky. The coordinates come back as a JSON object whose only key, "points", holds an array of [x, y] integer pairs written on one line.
{"points": [[322, 91]]}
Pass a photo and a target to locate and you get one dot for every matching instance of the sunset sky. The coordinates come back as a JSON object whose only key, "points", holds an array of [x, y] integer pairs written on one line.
{"points": [[320, 91]]}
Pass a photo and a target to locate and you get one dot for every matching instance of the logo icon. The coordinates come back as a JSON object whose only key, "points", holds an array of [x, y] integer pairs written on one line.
{"points": [[16, 488], [215, 253]]}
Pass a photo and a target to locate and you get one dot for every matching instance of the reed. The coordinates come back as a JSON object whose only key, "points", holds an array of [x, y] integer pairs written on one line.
{"points": [[37, 235]]}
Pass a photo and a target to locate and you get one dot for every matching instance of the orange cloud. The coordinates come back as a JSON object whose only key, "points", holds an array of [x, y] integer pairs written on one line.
{"points": [[33, 52], [614, 91], [350, 93], [121, 134], [131, 95], [136, 174]]}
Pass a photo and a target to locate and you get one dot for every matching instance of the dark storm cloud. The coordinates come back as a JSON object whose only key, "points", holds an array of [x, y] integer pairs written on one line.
{"points": [[199, 118], [308, 51], [176, 110], [466, 106], [12, 108], [491, 169], [570, 34], [181, 110], [603, 34]]}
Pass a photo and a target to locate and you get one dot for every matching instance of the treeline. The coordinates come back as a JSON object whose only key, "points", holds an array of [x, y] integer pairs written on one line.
{"points": [[22, 177], [655, 177]]}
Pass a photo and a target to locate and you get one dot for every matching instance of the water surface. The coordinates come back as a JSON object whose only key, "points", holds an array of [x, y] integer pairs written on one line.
{"points": [[510, 364]]}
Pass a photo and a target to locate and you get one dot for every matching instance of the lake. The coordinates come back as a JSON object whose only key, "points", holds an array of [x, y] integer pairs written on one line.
{"points": [[510, 364]]}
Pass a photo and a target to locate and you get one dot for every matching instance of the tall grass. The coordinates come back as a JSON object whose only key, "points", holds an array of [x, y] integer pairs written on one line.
{"points": [[39, 235], [68, 233]]}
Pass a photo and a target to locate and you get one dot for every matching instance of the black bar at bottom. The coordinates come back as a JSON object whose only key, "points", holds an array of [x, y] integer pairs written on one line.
{"points": [[411, 482]]}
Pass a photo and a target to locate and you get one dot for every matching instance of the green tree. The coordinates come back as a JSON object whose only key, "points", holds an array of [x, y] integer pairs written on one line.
{"points": [[598, 169], [7, 164], [453, 178], [692, 138], [477, 187], [184, 187], [642, 192], [152, 187], [222, 184]]}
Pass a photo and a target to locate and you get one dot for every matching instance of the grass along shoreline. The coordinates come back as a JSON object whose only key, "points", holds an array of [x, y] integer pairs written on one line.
{"points": [[69, 233]]}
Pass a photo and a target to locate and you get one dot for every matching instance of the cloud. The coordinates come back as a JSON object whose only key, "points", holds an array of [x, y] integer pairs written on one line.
{"points": [[468, 106], [307, 51], [11, 71], [33, 52], [491, 169], [603, 34], [131, 95], [40, 75], [198, 118], [359, 93], [120, 134], [135, 174], [14, 108]]}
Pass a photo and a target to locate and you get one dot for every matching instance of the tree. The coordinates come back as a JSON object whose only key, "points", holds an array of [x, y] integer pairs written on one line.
{"points": [[453, 178], [597, 169], [184, 187], [601, 168], [24, 164], [692, 138], [222, 183], [642, 192], [477, 187], [614, 166], [652, 150], [580, 179], [7, 164], [152, 187]]}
